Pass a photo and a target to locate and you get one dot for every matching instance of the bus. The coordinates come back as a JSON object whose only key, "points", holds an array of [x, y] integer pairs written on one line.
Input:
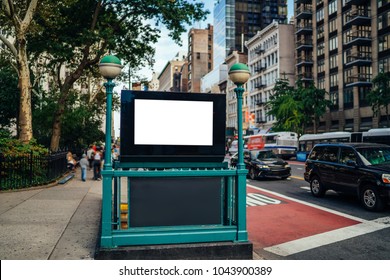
{"points": [[375, 135], [284, 144]]}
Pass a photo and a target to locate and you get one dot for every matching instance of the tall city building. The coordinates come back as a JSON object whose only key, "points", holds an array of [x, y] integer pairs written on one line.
{"points": [[342, 46], [170, 77], [235, 21], [270, 57], [200, 56]]}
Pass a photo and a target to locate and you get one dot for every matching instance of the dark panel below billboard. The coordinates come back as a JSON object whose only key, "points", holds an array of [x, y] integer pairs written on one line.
{"points": [[175, 201]]}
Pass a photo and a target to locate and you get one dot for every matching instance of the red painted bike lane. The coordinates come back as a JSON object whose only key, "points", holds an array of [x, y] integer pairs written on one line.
{"points": [[273, 224]]}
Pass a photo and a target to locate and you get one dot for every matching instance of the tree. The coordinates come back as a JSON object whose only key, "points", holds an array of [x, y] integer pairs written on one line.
{"points": [[286, 107], [379, 96], [9, 95], [16, 17], [82, 120], [75, 34], [295, 108], [314, 103]]}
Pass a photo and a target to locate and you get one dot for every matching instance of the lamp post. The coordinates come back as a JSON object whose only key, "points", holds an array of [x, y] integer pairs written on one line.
{"points": [[110, 67], [239, 74]]}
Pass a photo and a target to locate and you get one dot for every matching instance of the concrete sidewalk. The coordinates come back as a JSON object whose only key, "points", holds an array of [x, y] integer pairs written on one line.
{"points": [[60, 222], [57, 223]]}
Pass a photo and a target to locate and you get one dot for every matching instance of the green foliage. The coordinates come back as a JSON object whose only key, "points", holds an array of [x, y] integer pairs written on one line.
{"points": [[285, 106], [314, 102], [75, 30], [15, 147], [82, 119], [77, 33], [294, 108], [9, 95], [25, 165], [379, 96]]}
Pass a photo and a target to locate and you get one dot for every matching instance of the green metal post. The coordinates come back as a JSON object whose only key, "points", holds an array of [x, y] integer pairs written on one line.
{"points": [[109, 85], [110, 67], [106, 237], [242, 234]]}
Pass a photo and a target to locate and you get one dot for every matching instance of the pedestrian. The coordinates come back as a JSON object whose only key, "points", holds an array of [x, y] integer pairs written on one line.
{"points": [[114, 155], [97, 161], [84, 165], [71, 161], [90, 154]]}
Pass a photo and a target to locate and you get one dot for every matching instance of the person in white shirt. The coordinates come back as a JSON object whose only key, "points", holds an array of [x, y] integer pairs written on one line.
{"points": [[97, 162], [90, 156]]}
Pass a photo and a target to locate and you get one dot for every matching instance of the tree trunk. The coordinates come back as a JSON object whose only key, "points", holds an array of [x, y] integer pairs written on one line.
{"points": [[12, 10], [57, 122], [64, 95], [25, 114]]}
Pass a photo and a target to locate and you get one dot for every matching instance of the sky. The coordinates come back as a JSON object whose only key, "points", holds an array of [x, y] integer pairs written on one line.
{"points": [[166, 48]]}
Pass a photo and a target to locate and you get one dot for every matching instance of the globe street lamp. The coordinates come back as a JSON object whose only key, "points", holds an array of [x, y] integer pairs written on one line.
{"points": [[239, 74], [110, 67]]}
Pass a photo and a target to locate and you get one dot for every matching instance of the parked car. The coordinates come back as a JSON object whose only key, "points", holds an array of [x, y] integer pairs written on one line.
{"points": [[362, 169], [263, 164]]}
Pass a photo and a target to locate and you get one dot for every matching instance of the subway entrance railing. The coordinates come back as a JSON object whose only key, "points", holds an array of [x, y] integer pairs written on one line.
{"points": [[161, 203]]}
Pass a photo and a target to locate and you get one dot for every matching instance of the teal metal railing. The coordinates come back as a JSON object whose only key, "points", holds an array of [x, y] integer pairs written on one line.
{"points": [[117, 225]]}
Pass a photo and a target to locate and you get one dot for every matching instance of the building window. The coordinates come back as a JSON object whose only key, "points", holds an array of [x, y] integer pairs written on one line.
{"points": [[332, 25], [333, 81], [333, 61], [333, 43], [321, 65], [320, 14], [348, 76], [363, 91], [332, 7], [380, 22], [384, 65], [334, 98], [320, 48], [321, 83], [383, 42], [348, 98], [348, 125], [320, 31]]}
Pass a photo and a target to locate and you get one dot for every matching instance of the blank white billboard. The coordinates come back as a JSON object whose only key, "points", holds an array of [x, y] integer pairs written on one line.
{"points": [[173, 122]]}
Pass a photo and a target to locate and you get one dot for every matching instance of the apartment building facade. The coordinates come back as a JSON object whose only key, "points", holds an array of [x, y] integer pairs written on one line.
{"points": [[170, 77], [270, 57], [228, 87], [200, 56], [341, 46]]}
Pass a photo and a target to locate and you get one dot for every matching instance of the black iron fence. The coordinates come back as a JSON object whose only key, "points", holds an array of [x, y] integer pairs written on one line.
{"points": [[17, 172]]}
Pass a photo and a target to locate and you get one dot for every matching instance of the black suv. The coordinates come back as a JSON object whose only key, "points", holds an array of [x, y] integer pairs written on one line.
{"points": [[362, 169], [263, 164]]}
